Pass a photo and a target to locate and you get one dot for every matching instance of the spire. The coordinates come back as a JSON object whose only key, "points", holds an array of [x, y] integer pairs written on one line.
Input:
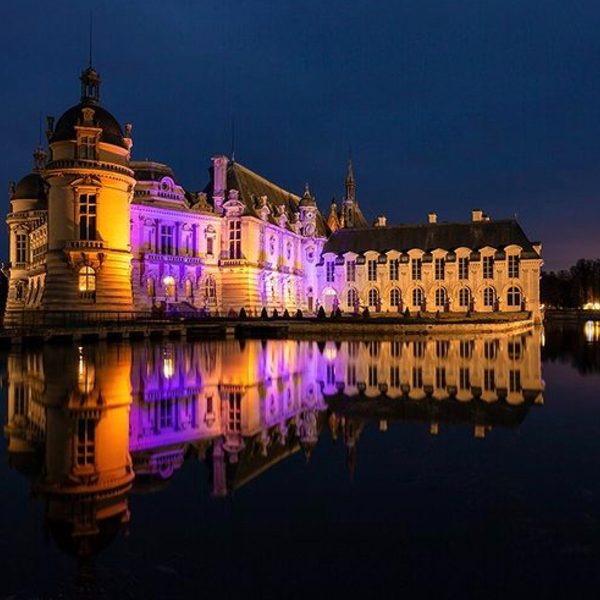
{"points": [[350, 183], [90, 78], [333, 221]]}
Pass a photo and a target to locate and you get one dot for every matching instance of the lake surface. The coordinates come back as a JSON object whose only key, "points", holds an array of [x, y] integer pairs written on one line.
{"points": [[446, 467]]}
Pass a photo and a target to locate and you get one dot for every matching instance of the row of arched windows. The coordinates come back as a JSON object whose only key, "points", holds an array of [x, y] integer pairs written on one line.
{"points": [[513, 297]]}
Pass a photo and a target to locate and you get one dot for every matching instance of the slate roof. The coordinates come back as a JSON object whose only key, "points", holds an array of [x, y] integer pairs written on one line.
{"points": [[427, 237], [252, 186], [65, 126]]}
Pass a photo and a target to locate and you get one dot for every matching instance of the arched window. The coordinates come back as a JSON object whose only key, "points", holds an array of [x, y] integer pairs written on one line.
{"points": [[87, 280], [417, 297], [188, 289], [210, 290], [150, 287], [464, 297], [169, 284], [374, 298], [440, 297], [513, 296], [352, 298], [395, 297], [489, 296]]}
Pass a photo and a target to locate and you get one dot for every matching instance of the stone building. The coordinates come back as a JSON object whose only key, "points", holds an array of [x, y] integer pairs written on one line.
{"points": [[480, 266], [92, 230]]}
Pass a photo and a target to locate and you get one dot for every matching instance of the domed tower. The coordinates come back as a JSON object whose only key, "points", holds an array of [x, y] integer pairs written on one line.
{"points": [[90, 188], [27, 231]]}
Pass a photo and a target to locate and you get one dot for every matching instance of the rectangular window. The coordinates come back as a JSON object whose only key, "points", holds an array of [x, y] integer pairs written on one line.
{"points": [[235, 411], [464, 379], [395, 377], [330, 374], [87, 217], [20, 400], [394, 269], [489, 380], [419, 349], [235, 239], [330, 271], [441, 348], [87, 147], [513, 266], [463, 267], [351, 270], [417, 377], [515, 381], [465, 348], [416, 265], [210, 246], [372, 375], [440, 268], [488, 267], [440, 377], [351, 375], [372, 270], [86, 442], [21, 248], [165, 417], [166, 239]]}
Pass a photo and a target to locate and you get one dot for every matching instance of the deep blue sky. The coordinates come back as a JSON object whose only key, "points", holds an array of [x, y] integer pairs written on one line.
{"points": [[447, 105]]}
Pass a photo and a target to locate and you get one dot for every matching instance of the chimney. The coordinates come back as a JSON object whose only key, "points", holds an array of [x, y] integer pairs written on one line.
{"points": [[432, 217], [219, 181], [381, 221], [477, 215]]}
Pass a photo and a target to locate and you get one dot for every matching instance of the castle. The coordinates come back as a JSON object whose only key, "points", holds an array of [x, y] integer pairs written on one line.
{"points": [[91, 229]]}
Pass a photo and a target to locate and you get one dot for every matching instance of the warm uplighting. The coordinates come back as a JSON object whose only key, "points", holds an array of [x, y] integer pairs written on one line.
{"points": [[591, 306]]}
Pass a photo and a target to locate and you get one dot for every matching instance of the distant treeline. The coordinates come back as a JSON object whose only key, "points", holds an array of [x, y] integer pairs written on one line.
{"points": [[574, 287]]}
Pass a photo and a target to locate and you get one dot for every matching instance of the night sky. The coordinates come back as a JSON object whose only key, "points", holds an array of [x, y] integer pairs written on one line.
{"points": [[446, 105]]}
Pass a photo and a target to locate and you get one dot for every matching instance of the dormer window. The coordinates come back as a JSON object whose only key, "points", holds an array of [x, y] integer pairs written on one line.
{"points": [[86, 147]]}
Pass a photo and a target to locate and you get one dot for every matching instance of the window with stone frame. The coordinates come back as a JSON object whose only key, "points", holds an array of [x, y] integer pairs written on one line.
{"points": [[488, 267], [87, 216], [21, 248], [330, 271], [463, 267], [464, 297], [440, 269], [513, 266], [416, 268], [351, 270], [394, 269], [372, 270], [235, 239]]}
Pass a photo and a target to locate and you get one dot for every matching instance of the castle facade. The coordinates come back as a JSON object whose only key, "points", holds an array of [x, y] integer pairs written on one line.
{"points": [[91, 229]]}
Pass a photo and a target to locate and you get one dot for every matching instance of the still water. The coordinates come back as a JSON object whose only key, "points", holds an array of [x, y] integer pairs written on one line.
{"points": [[438, 467]]}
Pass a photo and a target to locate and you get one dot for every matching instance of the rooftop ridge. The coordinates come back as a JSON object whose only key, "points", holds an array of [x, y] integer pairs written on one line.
{"points": [[278, 188]]}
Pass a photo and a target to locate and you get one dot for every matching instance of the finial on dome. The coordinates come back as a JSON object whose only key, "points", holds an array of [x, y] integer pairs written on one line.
{"points": [[90, 86]]}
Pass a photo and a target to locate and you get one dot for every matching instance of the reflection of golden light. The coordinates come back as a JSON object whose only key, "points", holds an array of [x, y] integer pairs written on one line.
{"points": [[86, 374], [330, 352], [592, 331], [591, 306], [168, 365]]}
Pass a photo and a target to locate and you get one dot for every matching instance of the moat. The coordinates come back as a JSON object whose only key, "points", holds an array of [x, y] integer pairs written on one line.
{"points": [[438, 465]]}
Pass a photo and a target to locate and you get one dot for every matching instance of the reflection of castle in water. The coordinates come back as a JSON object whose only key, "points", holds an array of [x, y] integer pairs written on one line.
{"points": [[82, 421]]}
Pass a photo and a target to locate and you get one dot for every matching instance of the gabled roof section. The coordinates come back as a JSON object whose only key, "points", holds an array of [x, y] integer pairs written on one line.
{"points": [[253, 186], [448, 236]]}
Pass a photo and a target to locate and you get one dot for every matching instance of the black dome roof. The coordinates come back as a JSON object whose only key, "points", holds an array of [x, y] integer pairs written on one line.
{"points": [[111, 130], [31, 187]]}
